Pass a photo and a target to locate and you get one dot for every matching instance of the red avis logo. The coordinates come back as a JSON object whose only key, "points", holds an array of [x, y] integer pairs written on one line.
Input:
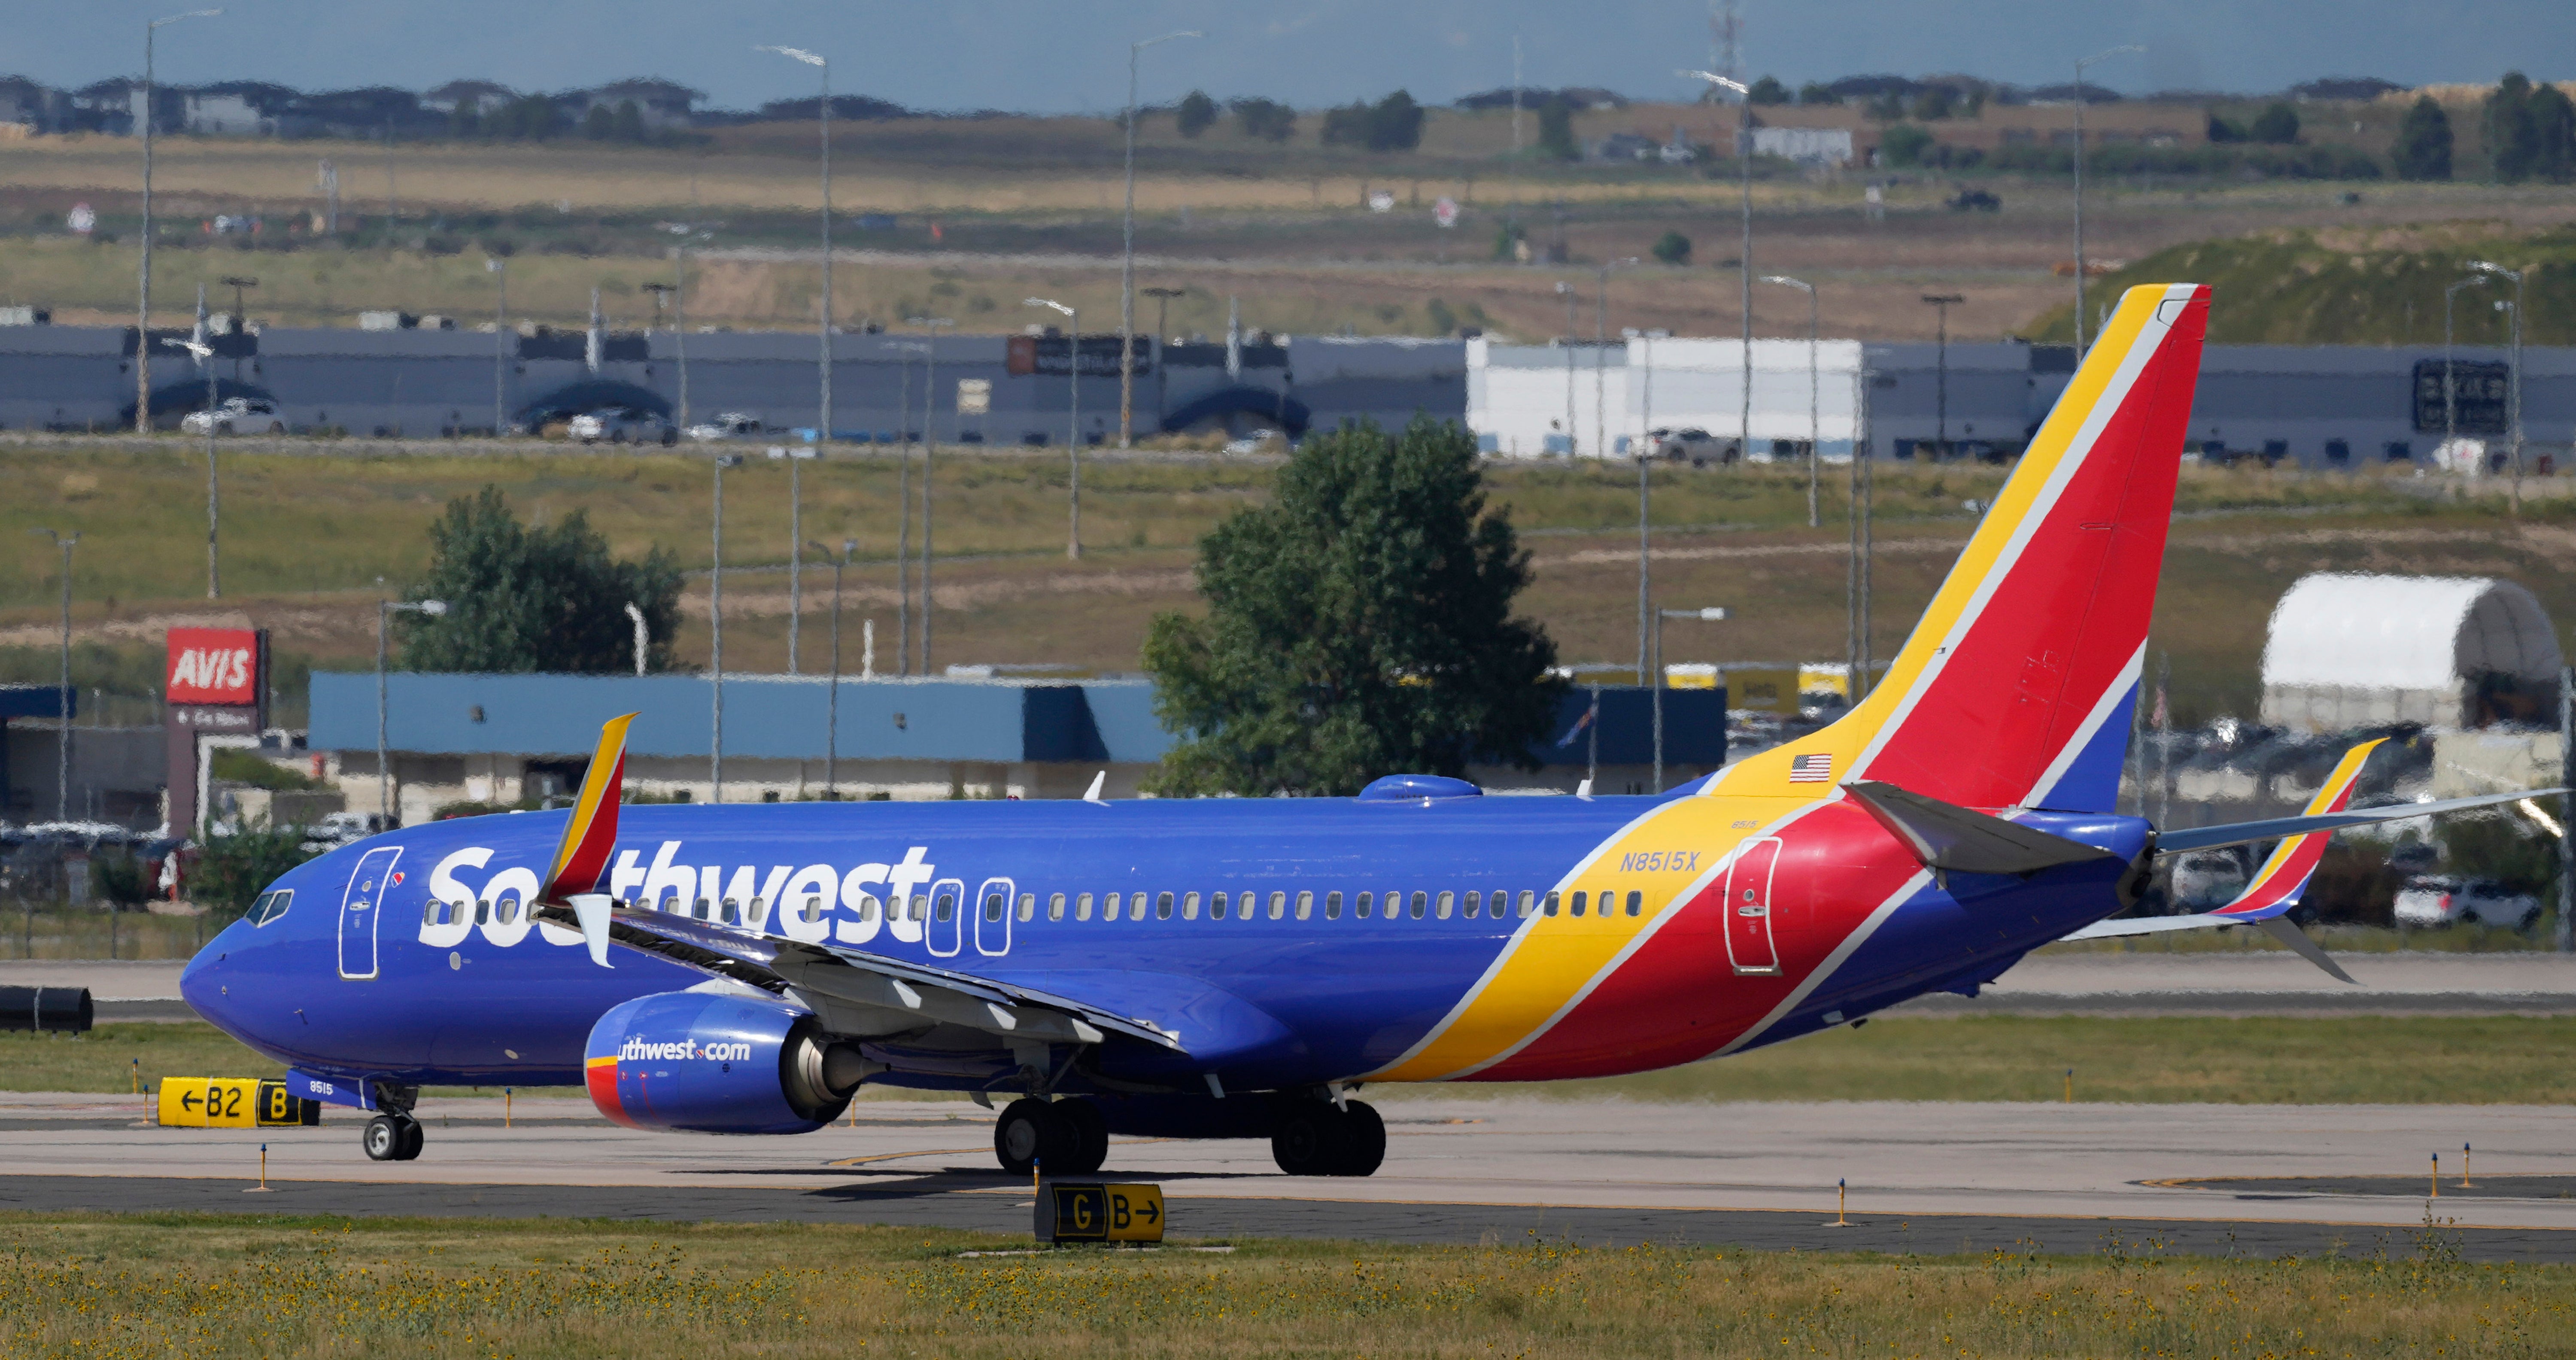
{"points": [[213, 666]]}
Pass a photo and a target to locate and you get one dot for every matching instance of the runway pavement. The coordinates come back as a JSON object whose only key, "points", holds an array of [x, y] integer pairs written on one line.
{"points": [[2258, 1180]]}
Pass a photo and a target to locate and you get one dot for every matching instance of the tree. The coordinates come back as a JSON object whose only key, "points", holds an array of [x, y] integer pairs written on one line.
{"points": [[1507, 241], [1556, 130], [2276, 125], [539, 598], [1672, 248], [1358, 625], [1347, 125], [1768, 90], [466, 119], [2553, 124], [1196, 115], [1395, 124], [1818, 93], [234, 870], [2423, 149], [599, 124], [1267, 119], [2513, 140], [2222, 131], [627, 124], [1935, 103], [1905, 144]]}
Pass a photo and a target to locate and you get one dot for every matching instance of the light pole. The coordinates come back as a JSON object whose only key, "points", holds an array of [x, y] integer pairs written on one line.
{"points": [[2450, 380], [1713, 614], [1073, 445], [796, 458], [499, 269], [2513, 372], [143, 301], [1566, 290], [929, 446], [823, 420], [679, 289], [204, 354], [63, 734], [1600, 346], [643, 635], [2079, 184], [1744, 160], [715, 616], [385, 610], [832, 705], [903, 514], [1162, 335], [1815, 399], [1940, 303], [1127, 263]]}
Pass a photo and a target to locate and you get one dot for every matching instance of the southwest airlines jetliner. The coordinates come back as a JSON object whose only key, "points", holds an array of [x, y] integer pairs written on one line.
{"points": [[1238, 968]]}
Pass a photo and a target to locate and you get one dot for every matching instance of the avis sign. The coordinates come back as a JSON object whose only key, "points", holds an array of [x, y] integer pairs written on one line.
{"points": [[215, 666]]}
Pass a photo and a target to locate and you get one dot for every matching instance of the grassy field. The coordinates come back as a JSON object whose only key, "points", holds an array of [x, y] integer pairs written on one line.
{"points": [[91, 934], [195, 1286], [2481, 1060]]}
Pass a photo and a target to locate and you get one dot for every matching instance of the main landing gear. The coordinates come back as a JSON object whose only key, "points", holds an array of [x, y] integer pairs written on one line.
{"points": [[1322, 1139], [1063, 1137], [392, 1138]]}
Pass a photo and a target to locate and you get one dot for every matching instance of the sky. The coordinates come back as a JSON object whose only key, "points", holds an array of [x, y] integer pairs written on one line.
{"points": [[1065, 56]]}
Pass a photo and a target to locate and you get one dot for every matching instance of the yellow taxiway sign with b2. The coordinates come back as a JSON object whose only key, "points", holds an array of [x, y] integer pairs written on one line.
{"points": [[231, 1103]]}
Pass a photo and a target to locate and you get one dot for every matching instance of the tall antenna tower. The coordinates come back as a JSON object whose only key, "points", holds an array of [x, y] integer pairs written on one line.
{"points": [[1725, 42]]}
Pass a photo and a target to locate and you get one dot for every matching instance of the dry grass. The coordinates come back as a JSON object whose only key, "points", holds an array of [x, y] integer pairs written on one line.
{"points": [[193, 1286]]}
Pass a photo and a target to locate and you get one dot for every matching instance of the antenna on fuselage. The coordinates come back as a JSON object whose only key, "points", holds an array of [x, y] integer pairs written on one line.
{"points": [[1092, 794]]}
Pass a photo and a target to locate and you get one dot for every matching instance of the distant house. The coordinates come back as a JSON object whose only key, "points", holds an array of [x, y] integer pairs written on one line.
{"points": [[1815, 148], [662, 104], [236, 108], [377, 111], [35, 107], [457, 94]]}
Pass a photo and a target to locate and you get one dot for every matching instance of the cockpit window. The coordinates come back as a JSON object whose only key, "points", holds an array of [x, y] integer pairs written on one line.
{"points": [[270, 906]]}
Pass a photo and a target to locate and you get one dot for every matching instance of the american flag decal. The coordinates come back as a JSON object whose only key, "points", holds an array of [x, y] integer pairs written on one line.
{"points": [[1814, 769]]}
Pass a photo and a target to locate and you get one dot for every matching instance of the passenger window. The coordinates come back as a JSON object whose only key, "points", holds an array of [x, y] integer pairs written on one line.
{"points": [[1475, 904], [1360, 909], [1136, 906], [1029, 906], [1552, 899], [867, 906], [1636, 902], [432, 913], [1332, 906], [1109, 909], [1190, 907], [1279, 905], [1163, 905], [948, 906], [1082, 907], [1055, 907], [1420, 900], [1529, 899], [813, 910], [731, 915], [508, 915], [483, 912], [1579, 899], [1243, 905], [1448, 903]]}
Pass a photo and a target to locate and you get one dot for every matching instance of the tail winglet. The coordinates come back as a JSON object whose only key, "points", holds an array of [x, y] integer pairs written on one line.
{"points": [[589, 834], [2285, 874]]}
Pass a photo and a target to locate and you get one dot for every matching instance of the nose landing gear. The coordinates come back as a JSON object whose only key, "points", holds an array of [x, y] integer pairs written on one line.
{"points": [[392, 1138]]}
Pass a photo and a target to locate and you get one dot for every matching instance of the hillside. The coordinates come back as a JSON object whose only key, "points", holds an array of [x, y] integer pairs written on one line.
{"points": [[2361, 286]]}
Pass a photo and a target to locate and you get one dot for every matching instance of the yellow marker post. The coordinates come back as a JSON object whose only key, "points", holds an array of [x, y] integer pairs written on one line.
{"points": [[262, 1187], [505, 1107], [1842, 1200], [2464, 1166], [2437, 1177], [2070, 1086]]}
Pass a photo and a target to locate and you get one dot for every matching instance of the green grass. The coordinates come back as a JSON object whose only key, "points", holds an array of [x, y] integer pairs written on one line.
{"points": [[92, 933], [2462, 1060], [180, 1285]]}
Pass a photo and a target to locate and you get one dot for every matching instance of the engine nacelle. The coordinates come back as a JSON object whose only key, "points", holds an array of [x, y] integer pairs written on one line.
{"points": [[708, 1062]]}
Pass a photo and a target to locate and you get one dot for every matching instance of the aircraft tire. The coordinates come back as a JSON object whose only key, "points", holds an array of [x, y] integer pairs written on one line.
{"points": [[1312, 1141], [408, 1149], [382, 1139], [1363, 1140], [1032, 1133], [1091, 1136]]}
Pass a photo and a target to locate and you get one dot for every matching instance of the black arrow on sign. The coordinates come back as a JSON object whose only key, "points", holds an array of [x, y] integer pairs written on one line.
{"points": [[1150, 1211], [188, 1100]]}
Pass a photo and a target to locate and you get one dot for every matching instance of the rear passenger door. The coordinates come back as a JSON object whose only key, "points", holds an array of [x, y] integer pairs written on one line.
{"points": [[1747, 913]]}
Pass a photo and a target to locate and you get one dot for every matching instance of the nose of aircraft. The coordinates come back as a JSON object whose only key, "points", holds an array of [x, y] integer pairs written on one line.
{"points": [[204, 983]]}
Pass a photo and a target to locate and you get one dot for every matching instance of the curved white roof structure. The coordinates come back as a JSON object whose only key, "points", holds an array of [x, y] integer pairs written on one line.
{"points": [[2349, 650]]}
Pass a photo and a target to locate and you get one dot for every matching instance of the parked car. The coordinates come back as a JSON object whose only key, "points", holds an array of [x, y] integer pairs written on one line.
{"points": [[337, 829], [2205, 880], [236, 415], [728, 425], [1696, 446], [621, 425], [2441, 900]]}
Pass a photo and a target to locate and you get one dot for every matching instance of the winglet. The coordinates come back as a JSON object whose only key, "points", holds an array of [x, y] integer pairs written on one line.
{"points": [[1098, 781], [2277, 885], [591, 909], [589, 834]]}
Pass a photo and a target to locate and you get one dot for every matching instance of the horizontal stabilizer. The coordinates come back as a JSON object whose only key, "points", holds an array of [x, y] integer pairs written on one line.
{"points": [[2278, 926], [1961, 840], [2245, 833]]}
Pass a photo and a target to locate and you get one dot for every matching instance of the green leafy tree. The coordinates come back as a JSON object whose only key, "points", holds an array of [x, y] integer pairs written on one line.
{"points": [[1196, 115], [2553, 126], [2223, 131], [2513, 140], [1347, 125], [599, 124], [1935, 103], [1673, 248], [120, 880], [1266, 119], [2276, 125], [627, 123], [1556, 130], [1358, 625], [1395, 123], [466, 119], [234, 870], [2423, 149], [1819, 94], [542, 598], [1768, 90], [1905, 144]]}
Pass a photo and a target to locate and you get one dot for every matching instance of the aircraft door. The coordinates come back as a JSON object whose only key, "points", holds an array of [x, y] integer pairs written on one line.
{"points": [[993, 910], [360, 906], [949, 905], [1748, 908]]}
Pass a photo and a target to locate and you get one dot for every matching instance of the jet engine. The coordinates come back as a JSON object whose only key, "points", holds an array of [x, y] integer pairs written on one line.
{"points": [[709, 1062]]}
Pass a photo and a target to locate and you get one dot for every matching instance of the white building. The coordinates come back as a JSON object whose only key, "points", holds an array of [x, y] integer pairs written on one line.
{"points": [[1527, 401], [2352, 651]]}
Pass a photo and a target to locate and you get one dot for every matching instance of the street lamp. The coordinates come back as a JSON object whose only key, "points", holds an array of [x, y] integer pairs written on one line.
{"points": [[385, 610], [1815, 402], [2079, 185], [1162, 335], [499, 269], [832, 706], [1941, 303], [1566, 291], [1127, 259], [929, 446], [903, 511], [204, 354], [823, 420], [63, 734], [143, 303], [1600, 345], [2513, 371], [2450, 381], [1744, 159], [715, 616], [796, 460], [1073, 445], [1713, 614], [678, 288]]}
